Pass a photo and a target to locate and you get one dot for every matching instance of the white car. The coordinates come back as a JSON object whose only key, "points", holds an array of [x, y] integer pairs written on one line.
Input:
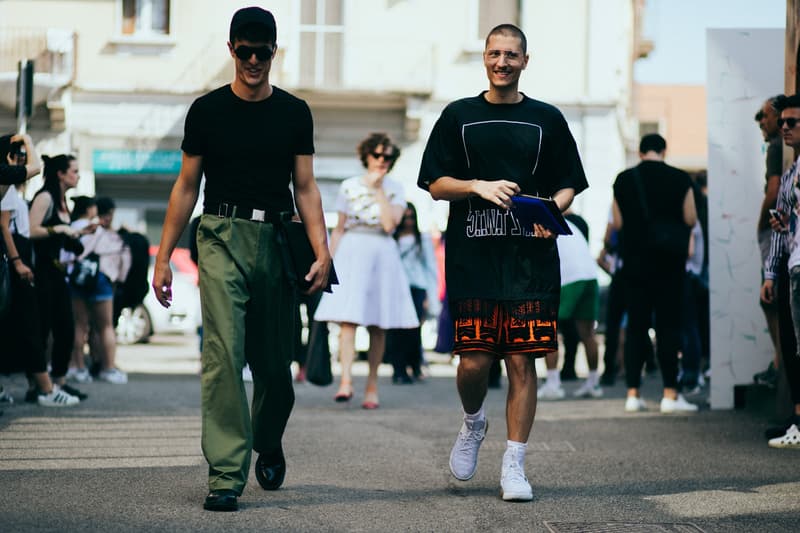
{"points": [[148, 318]]}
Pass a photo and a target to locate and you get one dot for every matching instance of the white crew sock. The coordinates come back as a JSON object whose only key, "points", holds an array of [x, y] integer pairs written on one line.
{"points": [[553, 379], [515, 451], [593, 379], [480, 415]]}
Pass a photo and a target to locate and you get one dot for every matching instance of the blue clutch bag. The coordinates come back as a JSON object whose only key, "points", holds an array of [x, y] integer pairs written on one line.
{"points": [[530, 210]]}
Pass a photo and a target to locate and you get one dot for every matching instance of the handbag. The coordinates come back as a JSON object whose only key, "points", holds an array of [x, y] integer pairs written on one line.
{"points": [[85, 272], [662, 236], [298, 256], [318, 357]]}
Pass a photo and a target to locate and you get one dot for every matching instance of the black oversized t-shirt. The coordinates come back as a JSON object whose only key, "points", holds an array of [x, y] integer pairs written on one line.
{"points": [[664, 188], [249, 148], [529, 143]]}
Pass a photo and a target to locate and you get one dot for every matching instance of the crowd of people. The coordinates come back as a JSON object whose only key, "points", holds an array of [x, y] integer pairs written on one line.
{"points": [[510, 291], [65, 264]]}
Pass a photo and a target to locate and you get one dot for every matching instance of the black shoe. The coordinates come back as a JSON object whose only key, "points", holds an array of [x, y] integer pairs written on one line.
{"points": [[768, 377], [221, 500], [779, 431], [72, 391], [402, 379], [32, 395], [270, 470]]}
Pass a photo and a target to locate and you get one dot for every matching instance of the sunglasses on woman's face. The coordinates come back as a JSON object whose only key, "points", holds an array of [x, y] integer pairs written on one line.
{"points": [[387, 157], [245, 52], [790, 122]]}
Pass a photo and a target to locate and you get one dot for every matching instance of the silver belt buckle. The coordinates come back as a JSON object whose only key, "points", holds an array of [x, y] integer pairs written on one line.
{"points": [[258, 215], [222, 210]]}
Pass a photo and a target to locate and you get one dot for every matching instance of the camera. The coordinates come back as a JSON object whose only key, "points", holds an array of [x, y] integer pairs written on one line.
{"points": [[17, 150]]}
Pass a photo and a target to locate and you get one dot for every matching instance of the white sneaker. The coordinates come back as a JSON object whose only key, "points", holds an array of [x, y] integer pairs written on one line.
{"points": [[634, 404], [79, 375], [113, 375], [589, 390], [789, 440], [549, 391], [678, 405], [514, 485], [464, 455], [5, 397], [57, 398]]}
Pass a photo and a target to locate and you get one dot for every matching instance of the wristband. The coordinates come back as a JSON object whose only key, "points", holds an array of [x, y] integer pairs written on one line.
{"points": [[15, 258], [50, 230]]}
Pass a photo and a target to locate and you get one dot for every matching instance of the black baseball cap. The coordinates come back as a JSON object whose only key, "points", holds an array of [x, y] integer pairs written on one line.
{"points": [[253, 15]]}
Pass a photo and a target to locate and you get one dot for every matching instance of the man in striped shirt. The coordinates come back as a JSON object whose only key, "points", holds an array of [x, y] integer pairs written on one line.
{"points": [[784, 271]]}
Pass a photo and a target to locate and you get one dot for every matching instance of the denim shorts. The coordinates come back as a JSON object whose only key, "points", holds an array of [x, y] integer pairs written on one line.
{"points": [[103, 290]]}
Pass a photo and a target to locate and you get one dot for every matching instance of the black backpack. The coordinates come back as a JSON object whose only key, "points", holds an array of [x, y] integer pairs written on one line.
{"points": [[134, 288]]}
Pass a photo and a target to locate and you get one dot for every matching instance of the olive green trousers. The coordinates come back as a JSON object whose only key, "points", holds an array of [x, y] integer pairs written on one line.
{"points": [[248, 317]]}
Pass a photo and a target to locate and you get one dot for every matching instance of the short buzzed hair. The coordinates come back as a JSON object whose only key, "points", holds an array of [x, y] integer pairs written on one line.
{"points": [[785, 102], [652, 142], [510, 30]]}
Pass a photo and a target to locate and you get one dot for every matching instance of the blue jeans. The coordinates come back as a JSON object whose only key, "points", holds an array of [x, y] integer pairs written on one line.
{"points": [[794, 299]]}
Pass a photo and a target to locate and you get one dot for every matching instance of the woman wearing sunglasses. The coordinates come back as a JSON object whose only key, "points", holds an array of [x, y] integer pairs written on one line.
{"points": [[373, 290]]}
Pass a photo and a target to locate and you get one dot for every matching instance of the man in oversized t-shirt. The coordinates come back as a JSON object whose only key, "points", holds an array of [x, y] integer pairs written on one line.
{"points": [[250, 140], [502, 278]]}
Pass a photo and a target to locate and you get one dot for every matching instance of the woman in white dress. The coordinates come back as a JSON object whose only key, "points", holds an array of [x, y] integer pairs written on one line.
{"points": [[373, 288]]}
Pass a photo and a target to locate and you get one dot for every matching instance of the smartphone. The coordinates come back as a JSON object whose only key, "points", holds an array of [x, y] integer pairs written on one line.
{"points": [[774, 213]]}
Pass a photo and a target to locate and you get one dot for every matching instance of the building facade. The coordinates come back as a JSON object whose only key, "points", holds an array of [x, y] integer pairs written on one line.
{"points": [[114, 79]]}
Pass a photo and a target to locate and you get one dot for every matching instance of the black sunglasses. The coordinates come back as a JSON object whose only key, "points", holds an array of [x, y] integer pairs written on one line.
{"points": [[244, 52], [791, 122], [385, 156]]}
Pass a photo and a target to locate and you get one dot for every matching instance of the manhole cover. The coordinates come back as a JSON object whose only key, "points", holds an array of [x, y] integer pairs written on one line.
{"points": [[614, 527]]}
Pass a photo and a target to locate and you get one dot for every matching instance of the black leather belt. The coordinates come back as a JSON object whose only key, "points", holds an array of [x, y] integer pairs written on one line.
{"points": [[228, 210]]}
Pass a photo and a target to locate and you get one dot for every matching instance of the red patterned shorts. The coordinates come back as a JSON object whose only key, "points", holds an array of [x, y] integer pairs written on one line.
{"points": [[501, 334]]}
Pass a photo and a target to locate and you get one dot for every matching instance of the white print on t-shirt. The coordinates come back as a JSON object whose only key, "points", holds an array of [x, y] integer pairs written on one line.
{"points": [[537, 139], [493, 222]]}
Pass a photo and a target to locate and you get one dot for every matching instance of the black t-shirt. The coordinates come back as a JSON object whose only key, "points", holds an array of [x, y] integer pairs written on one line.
{"points": [[528, 143], [249, 148], [664, 188], [774, 158], [12, 174]]}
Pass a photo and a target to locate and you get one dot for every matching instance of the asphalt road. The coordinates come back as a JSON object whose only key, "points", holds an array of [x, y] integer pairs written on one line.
{"points": [[129, 459]]}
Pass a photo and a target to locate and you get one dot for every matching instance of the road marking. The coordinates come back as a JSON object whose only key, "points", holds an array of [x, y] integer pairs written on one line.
{"points": [[95, 443], [621, 527]]}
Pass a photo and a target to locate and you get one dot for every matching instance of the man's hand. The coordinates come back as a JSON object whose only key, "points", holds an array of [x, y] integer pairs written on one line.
{"points": [[318, 274], [780, 222], [767, 291], [162, 283], [541, 232], [497, 192]]}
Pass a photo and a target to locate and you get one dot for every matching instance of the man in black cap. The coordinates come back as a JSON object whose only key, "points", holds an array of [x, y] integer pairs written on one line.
{"points": [[250, 140]]}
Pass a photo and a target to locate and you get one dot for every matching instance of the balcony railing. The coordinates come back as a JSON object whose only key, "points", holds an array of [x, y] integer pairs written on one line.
{"points": [[52, 49]]}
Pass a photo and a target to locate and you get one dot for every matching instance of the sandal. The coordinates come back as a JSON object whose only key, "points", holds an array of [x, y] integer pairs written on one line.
{"points": [[370, 399], [345, 393]]}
